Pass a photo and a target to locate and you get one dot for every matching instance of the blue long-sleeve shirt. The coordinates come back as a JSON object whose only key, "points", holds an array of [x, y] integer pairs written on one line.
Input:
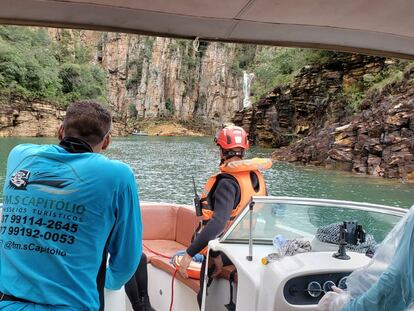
{"points": [[63, 213]]}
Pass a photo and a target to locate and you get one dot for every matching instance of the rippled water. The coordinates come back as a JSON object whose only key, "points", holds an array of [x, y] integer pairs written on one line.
{"points": [[163, 167]]}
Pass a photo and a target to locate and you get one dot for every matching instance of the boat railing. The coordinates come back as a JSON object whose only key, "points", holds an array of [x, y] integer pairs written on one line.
{"points": [[328, 203], [370, 207], [258, 202]]}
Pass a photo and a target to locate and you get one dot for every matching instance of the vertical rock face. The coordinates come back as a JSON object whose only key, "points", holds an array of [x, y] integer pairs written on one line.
{"points": [[221, 90], [20, 117], [313, 117], [112, 53], [162, 77], [316, 97]]}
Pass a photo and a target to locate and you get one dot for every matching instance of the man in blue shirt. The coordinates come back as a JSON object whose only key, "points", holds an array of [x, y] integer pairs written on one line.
{"points": [[65, 208]]}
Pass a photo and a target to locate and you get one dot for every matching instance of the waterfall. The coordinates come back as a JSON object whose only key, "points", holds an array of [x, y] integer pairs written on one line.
{"points": [[247, 81]]}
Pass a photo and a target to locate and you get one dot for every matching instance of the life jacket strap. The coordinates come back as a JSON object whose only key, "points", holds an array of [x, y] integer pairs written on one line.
{"points": [[231, 306]]}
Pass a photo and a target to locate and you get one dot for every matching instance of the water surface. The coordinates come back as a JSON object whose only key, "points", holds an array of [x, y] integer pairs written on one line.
{"points": [[163, 167]]}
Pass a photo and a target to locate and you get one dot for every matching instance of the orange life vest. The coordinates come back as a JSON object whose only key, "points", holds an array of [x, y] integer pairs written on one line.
{"points": [[241, 171]]}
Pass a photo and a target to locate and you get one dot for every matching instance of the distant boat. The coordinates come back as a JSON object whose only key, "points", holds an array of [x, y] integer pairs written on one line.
{"points": [[140, 133]]}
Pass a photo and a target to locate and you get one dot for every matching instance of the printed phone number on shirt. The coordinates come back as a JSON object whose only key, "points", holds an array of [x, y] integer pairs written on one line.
{"points": [[40, 222], [37, 234]]}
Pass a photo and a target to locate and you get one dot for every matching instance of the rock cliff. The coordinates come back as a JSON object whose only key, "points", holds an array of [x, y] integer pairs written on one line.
{"points": [[162, 77], [317, 96], [20, 117], [378, 141], [316, 120], [147, 77]]}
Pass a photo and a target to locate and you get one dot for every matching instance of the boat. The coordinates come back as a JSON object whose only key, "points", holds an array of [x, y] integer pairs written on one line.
{"points": [[290, 283], [139, 133]]}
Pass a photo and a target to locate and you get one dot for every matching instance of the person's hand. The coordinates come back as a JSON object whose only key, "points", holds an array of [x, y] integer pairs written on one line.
{"points": [[184, 264], [218, 264], [334, 300]]}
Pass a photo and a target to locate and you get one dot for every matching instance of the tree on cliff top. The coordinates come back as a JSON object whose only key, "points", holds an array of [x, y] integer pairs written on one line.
{"points": [[33, 65], [26, 64]]}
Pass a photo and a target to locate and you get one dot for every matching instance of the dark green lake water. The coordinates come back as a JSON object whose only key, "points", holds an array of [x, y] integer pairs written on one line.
{"points": [[163, 167]]}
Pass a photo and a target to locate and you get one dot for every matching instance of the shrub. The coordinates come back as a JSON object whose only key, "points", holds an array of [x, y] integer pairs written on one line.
{"points": [[27, 66], [169, 106], [275, 66], [132, 110], [81, 81], [34, 66], [354, 96]]}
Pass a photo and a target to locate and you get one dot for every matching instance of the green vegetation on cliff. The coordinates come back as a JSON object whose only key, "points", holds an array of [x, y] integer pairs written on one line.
{"points": [[32, 65], [391, 73], [276, 66]]}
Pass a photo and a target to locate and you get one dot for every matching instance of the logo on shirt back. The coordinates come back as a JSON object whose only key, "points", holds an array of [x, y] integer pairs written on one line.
{"points": [[45, 182], [20, 179]]}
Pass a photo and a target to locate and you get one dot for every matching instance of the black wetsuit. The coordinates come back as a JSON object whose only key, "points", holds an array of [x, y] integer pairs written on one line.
{"points": [[225, 197], [137, 287]]}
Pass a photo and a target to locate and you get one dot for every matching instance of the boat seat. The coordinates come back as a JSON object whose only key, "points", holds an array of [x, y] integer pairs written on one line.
{"points": [[153, 248], [168, 228], [164, 264]]}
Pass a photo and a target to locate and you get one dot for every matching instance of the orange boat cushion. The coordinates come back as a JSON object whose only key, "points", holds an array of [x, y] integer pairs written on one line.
{"points": [[186, 225], [159, 221], [167, 230], [165, 247]]}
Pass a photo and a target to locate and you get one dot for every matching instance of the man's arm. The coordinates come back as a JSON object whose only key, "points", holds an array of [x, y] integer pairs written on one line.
{"points": [[381, 297], [125, 244]]}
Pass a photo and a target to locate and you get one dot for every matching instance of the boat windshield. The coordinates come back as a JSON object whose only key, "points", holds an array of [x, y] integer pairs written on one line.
{"points": [[296, 218]]}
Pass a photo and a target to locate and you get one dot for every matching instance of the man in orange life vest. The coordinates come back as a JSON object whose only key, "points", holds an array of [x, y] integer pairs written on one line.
{"points": [[225, 196]]}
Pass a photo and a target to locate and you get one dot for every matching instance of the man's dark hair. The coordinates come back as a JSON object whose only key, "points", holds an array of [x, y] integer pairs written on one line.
{"points": [[87, 120]]}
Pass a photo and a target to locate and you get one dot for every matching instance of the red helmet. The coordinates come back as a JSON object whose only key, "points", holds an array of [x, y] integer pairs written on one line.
{"points": [[232, 137]]}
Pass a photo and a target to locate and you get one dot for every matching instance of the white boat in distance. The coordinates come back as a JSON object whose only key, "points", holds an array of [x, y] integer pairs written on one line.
{"points": [[139, 133]]}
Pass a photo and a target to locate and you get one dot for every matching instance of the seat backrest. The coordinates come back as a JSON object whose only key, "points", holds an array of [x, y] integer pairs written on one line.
{"points": [[186, 225], [159, 221]]}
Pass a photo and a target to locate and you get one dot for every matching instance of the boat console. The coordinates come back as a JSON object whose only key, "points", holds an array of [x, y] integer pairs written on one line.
{"points": [[298, 281], [306, 289]]}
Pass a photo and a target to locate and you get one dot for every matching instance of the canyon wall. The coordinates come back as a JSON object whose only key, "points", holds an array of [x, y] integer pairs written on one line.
{"points": [[317, 96], [146, 78], [163, 77], [333, 115]]}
